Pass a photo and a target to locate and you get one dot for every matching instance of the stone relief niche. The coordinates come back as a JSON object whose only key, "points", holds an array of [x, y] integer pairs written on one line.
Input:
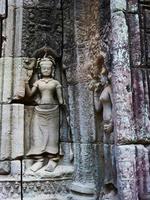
{"points": [[100, 84], [45, 113], [39, 137], [35, 130]]}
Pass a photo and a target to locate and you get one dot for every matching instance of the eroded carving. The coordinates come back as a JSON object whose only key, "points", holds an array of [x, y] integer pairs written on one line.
{"points": [[27, 71], [103, 101], [101, 85]]}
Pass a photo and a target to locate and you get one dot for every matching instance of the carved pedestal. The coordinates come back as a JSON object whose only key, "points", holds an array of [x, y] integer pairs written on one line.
{"points": [[45, 189]]}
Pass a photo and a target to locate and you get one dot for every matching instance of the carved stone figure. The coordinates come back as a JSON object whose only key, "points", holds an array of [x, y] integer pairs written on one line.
{"points": [[45, 123], [45, 117], [101, 85]]}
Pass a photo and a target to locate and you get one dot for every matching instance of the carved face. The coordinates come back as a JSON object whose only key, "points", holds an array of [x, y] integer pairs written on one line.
{"points": [[46, 68]]}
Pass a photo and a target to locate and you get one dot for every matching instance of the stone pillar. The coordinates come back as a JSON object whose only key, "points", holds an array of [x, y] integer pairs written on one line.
{"points": [[131, 101], [122, 95], [81, 26], [138, 22], [12, 128]]}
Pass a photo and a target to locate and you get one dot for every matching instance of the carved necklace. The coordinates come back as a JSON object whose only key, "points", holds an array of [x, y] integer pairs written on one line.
{"points": [[46, 80]]}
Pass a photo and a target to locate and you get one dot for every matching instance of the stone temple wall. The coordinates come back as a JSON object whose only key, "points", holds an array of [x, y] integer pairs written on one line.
{"points": [[130, 22], [78, 31], [30, 25]]}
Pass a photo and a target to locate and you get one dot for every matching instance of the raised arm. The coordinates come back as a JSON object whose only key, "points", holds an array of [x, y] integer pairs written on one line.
{"points": [[30, 91]]}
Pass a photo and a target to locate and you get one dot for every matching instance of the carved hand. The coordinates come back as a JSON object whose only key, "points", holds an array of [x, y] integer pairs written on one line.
{"points": [[28, 75], [108, 128], [29, 63]]}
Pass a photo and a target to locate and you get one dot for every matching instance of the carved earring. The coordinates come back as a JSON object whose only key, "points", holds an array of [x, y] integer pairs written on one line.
{"points": [[39, 74], [53, 71]]}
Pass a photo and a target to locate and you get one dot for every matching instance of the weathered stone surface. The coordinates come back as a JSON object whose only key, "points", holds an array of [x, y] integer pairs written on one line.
{"points": [[110, 165], [99, 166], [84, 50], [80, 36], [126, 172], [85, 47], [10, 188], [36, 24], [11, 74], [135, 40], [47, 3], [90, 9], [68, 153], [19, 3], [18, 28], [69, 63], [12, 131], [30, 22], [119, 32], [18, 74], [68, 25], [78, 196], [8, 32], [28, 114], [7, 75], [84, 173], [143, 166], [81, 117], [141, 104], [109, 195], [133, 19], [5, 132], [144, 27], [132, 6], [17, 135], [77, 72], [12, 29], [30, 2], [1, 78], [121, 80], [3, 8], [88, 178], [15, 171], [4, 167], [119, 5], [132, 171]]}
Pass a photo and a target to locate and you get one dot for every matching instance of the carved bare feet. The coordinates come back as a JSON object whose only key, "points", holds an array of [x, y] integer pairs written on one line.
{"points": [[51, 166], [38, 165]]}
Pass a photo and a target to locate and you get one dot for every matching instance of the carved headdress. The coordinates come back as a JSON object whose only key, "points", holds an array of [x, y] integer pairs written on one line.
{"points": [[45, 54], [32, 65], [45, 60], [96, 70]]}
